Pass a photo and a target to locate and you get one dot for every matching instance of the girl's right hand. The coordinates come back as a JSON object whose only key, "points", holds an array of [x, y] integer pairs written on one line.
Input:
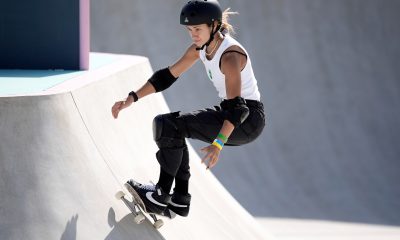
{"points": [[118, 106]]}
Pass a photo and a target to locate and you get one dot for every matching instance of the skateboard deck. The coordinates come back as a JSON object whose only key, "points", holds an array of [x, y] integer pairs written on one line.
{"points": [[138, 208]]}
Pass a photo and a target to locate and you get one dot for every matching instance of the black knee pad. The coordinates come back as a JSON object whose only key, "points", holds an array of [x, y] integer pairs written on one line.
{"points": [[158, 124], [166, 132]]}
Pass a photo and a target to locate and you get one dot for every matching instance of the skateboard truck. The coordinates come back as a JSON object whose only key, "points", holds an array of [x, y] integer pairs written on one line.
{"points": [[139, 216]]}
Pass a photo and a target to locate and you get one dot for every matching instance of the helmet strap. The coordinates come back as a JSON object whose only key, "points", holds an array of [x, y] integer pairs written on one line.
{"points": [[211, 36]]}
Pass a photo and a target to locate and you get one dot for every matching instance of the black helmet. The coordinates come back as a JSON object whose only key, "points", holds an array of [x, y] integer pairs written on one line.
{"points": [[198, 12], [202, 11]]}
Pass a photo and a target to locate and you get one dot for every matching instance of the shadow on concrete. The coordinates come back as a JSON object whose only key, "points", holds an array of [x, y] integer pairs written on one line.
{"points": [[71, 229], [126, 228]]}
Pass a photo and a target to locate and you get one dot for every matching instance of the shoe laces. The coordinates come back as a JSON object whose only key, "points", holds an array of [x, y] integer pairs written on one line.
{"points": [[149, 187]]}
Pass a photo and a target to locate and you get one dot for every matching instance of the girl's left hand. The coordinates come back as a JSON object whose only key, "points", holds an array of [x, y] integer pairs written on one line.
{"points": [[211, 156]]}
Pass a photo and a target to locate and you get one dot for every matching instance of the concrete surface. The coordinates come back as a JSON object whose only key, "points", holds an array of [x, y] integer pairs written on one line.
{"points": [[63, 157], [329, 75], [295, 229]]}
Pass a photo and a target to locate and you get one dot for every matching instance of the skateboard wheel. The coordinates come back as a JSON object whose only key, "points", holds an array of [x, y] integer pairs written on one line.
{"points": [[139, 218], [119, 195], [157, 224]]}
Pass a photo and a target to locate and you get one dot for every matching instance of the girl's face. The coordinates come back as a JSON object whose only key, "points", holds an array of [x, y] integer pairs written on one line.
{"points": [[199, 33]]}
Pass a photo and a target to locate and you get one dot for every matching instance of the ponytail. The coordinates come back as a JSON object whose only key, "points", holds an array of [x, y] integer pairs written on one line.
{"points": [[226, 27]]}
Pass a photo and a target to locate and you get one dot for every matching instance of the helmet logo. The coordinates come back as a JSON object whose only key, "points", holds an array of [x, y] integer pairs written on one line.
{"points": [[186, 20]]}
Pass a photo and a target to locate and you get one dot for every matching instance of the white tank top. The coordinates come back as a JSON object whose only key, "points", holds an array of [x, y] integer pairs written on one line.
{"points": [[249, 88]]}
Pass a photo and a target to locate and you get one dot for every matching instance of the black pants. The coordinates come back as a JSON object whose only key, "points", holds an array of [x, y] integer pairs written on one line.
{"points": [[203, 125]]}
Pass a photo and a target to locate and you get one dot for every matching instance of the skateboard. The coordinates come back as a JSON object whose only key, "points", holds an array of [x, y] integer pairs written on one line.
{"points": [[138, 208]]}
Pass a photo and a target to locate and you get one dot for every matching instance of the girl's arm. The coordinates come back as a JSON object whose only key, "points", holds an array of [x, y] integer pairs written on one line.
{"points": [[185, 62], [182, 65], [231, 65]]}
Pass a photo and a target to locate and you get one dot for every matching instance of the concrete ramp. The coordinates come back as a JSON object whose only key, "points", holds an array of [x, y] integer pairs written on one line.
{"points": [[328, 73], [63, 157]]}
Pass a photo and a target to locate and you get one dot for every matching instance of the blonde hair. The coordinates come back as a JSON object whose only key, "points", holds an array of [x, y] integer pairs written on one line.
{"points": [[226, 27]]}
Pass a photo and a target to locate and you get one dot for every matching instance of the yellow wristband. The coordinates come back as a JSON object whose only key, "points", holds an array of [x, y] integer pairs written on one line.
{"points": [[217, 145]]}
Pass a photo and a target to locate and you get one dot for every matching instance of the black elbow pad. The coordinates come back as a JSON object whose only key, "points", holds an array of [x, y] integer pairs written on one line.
{"points": [[162, 79], [236, 110]]}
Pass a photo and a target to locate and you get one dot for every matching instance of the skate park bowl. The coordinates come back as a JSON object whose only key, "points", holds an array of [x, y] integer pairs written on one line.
{"points": [[326, 167], [63, 157], [329, 79]]}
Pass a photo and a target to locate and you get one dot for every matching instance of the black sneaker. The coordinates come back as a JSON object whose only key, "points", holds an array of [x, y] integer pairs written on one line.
{"points": [[180, 204], [155, 200]]}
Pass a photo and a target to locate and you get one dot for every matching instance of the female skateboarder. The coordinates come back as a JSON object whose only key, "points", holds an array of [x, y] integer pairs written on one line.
{"points": [[238, 120]]}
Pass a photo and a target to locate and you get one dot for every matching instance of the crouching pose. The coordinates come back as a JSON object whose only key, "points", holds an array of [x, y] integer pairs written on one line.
{"points": [[239, 119]]}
